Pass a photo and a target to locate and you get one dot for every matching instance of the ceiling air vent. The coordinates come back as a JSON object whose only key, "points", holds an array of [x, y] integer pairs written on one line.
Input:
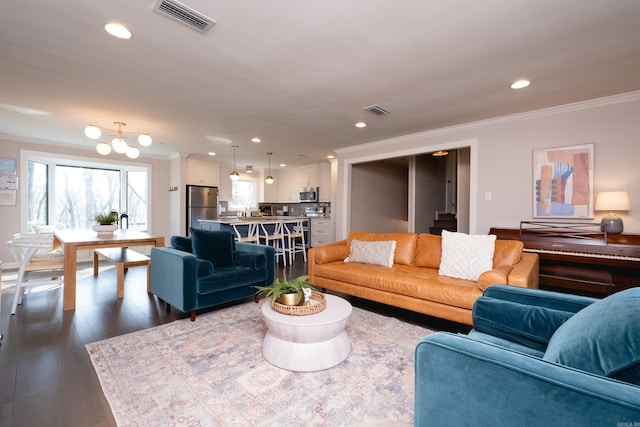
{"points": [[376, 109], [181, 13]]}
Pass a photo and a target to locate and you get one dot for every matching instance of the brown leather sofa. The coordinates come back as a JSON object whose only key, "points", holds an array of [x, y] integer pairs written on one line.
{"points": [[413, 281]]}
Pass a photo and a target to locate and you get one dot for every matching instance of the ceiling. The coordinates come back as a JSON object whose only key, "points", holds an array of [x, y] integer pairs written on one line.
{"points": [[298, 73]]}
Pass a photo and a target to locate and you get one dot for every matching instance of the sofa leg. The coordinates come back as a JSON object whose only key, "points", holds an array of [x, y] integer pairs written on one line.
{"points": [[256, 299], [193, 316]]}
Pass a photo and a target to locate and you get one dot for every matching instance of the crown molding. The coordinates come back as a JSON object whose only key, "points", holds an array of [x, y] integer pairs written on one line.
{"points": [[544, 112]]}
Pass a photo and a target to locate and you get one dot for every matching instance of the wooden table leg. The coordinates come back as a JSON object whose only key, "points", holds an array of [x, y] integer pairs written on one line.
{"points": [[95, 263], [69, 291], [120, 267]]}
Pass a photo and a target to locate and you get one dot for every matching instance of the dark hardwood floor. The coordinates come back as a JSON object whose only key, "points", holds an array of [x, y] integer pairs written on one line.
{"points": [[46, 377]]}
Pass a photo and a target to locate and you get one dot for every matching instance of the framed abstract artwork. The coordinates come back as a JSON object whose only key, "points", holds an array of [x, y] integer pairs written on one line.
{"points": [[563, 182]]}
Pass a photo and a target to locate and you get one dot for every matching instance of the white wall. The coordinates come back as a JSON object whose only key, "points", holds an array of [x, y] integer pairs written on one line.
{"points": [[501, 157]]}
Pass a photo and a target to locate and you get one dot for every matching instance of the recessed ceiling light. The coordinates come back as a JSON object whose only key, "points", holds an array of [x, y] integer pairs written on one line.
{"points": [[519, 84], [361, 125], [330, 156], [117, 30], [211, 153], [283, 165], [256, 140]]}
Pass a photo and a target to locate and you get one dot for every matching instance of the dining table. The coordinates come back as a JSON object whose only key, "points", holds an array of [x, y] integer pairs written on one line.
{"points": [[72, 241]]}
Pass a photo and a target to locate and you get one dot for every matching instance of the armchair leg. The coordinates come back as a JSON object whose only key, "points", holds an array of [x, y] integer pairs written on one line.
{"points": [[193, 316]]}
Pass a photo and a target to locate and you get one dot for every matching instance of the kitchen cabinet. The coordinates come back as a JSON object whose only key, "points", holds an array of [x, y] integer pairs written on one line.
{"points": [[288, 186], [324, 182], [323, 230], [200, 172], [308, 176]]}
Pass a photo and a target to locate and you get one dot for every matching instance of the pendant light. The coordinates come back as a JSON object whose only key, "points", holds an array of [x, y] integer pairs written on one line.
{"points": [[234, 175], [269, 178]]}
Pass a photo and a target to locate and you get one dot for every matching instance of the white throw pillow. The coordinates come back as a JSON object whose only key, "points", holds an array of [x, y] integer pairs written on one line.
{"points": [[378, 252], [466, 256]]}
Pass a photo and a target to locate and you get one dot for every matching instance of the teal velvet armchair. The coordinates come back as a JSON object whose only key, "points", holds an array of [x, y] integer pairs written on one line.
{"points": [[209, 268], [534, 358]]}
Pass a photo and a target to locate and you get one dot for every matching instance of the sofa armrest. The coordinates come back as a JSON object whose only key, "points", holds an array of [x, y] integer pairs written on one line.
{"points": [[457, 378], [173, 277], [325, 253], [498, 274], [525, 272]]}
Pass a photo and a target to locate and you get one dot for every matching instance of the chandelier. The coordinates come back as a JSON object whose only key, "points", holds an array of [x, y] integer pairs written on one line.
{"points": [[118, 144]]}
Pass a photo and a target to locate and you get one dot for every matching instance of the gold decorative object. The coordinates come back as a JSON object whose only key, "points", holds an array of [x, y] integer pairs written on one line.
{"points": [[317, 303]]}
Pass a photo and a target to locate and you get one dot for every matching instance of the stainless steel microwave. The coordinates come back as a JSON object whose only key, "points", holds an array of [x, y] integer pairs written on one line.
{"points": [[309, 194]]}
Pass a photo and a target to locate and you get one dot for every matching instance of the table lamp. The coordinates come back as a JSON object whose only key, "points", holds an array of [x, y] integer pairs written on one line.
{"points": [[612, 201]]}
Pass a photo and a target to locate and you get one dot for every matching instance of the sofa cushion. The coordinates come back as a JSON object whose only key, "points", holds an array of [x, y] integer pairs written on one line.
{"points": [[182, 243], [215, 246], [428, 251], [466, 256], [405, 243], [378, 252], [603, 338]]}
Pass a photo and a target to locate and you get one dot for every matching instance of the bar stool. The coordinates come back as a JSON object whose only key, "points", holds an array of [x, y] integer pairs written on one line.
{"points": [[294, 233], [271, 234], [247, 232]]}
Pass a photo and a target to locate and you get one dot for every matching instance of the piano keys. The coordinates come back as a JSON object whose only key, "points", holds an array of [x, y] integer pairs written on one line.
{"points": [[578, 257]]}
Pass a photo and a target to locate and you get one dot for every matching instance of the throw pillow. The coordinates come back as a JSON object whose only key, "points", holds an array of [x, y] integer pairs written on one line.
{"points": [[466, 256], [379, 252], [603, 338], [181, 243], [215, 246]]}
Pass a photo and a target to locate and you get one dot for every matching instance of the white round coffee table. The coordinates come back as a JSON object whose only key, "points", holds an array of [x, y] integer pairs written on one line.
{"points": [[307, 343]]}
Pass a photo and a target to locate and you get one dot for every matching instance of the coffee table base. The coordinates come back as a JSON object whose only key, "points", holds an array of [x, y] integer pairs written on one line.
{"points": [[306, 357], [307, 343]]}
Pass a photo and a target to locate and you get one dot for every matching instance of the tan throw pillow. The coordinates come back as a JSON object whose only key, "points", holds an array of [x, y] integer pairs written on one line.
{"points": [[466, 256], [380, 252]]}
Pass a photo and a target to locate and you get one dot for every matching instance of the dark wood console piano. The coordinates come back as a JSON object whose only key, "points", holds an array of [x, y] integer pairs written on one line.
{"points": [[578, 257]]}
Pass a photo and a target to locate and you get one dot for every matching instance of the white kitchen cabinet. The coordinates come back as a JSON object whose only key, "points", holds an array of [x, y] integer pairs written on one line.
{"points": [[308, 176], [324, 182], [288, 186], [200, 172], [323, 230]]}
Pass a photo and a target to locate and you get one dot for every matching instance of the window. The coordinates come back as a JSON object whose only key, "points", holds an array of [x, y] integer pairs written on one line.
{"points": [[243, 195], [69, 193]]}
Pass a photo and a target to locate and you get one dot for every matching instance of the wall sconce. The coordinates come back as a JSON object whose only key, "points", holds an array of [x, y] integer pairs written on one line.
{"points": [[612, 201]]}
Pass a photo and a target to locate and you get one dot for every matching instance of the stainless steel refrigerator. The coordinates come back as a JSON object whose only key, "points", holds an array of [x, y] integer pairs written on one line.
{"points": [[202, 203]]}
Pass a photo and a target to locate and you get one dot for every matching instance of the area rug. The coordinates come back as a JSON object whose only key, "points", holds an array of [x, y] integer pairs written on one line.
{"points": [[211, 373]]}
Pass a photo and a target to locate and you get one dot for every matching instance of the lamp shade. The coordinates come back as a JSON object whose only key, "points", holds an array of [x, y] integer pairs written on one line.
{"points": [[145, 140], [119, 145], [103, 148], [613, 201], [92, 132]]}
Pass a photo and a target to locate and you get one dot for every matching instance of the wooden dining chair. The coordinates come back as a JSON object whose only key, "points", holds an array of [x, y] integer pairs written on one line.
{"points": [[246, 232]]}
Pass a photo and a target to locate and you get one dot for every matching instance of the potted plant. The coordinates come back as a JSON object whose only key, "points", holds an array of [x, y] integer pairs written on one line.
{"points": [[287, 292], [106, 223]]}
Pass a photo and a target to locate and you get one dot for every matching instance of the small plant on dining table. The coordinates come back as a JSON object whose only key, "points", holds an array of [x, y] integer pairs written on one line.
{"points": [[106, 219], [277, 291]]}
